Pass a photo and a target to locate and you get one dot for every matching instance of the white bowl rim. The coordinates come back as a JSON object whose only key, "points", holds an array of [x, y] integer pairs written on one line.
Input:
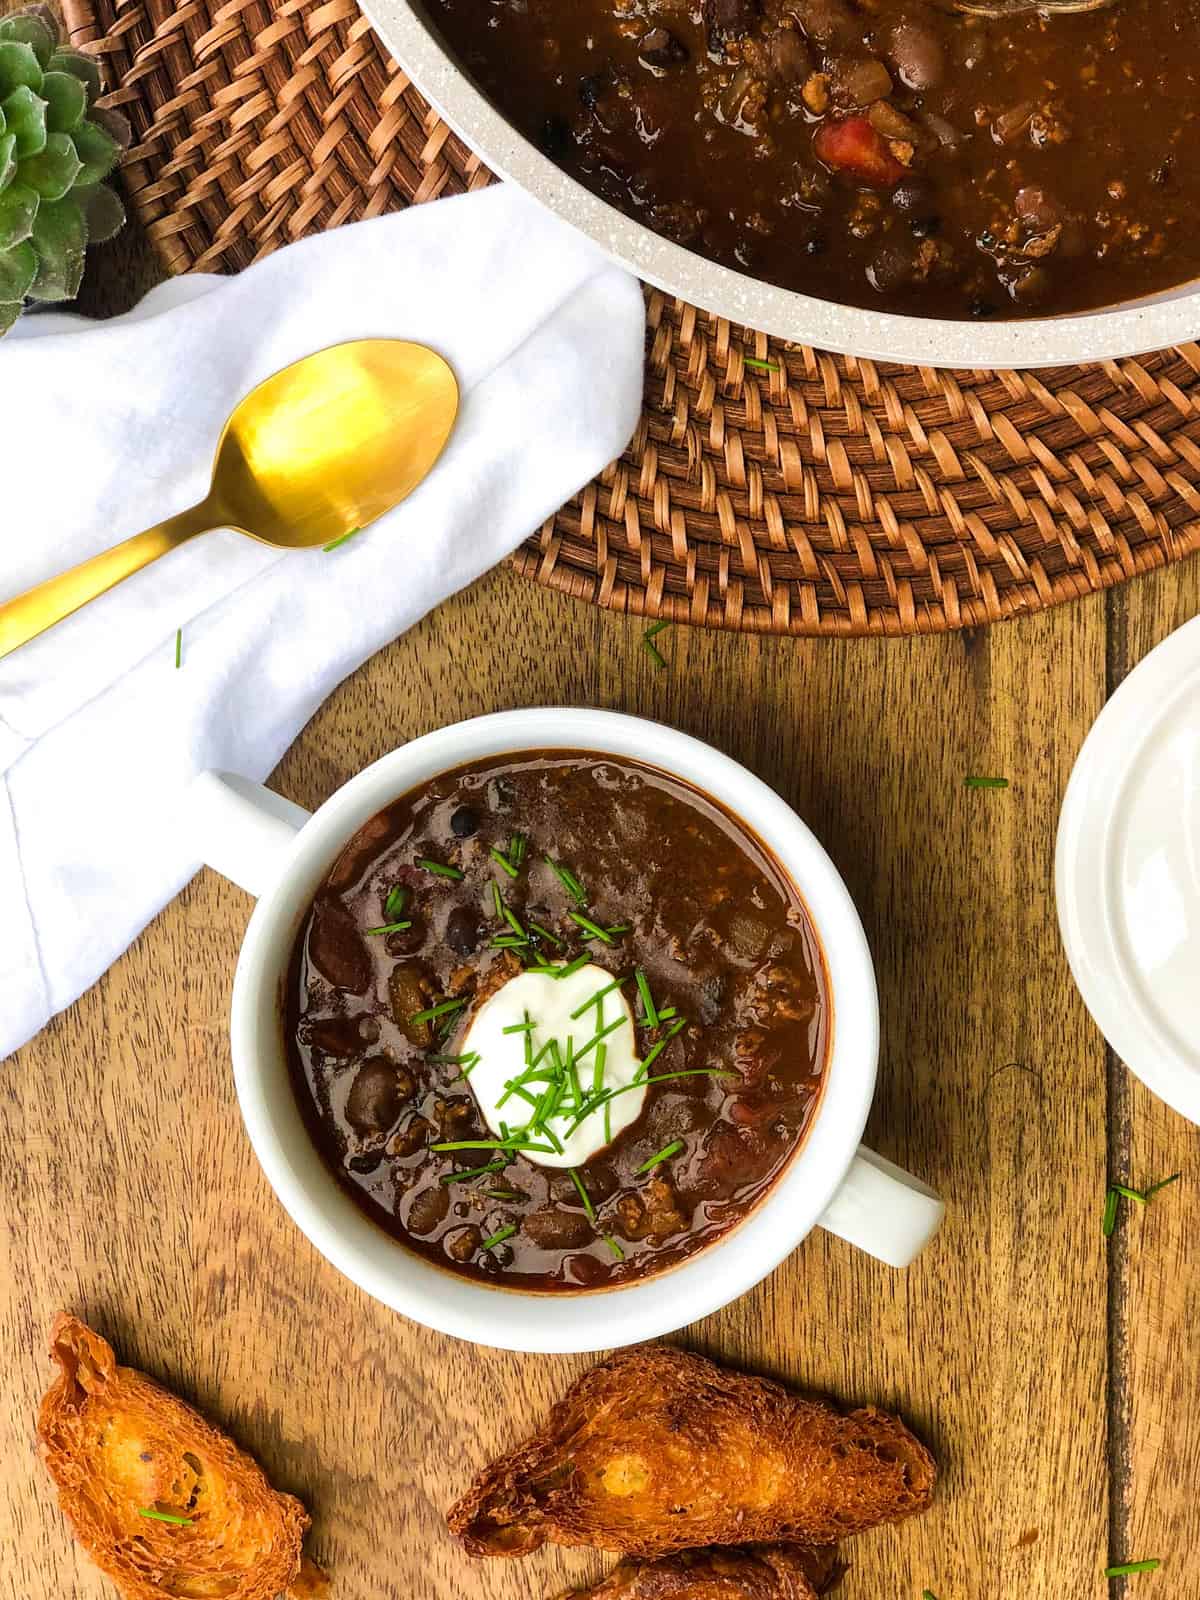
{"points": [[553, 1323], [1169, 318]]}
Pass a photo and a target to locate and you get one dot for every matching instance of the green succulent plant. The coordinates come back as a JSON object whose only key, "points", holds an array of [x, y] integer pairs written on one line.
{"points": [[56, 147]]}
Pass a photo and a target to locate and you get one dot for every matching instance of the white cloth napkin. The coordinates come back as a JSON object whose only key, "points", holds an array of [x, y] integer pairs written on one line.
{"points": [[108, 427]]}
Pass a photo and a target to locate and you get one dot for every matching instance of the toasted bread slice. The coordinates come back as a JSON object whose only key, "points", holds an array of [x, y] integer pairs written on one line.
{"points": [[161, 1500], [656, 1450], [757, 1572]]}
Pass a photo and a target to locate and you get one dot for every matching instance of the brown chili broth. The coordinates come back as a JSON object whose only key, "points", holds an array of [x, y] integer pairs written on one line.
{"points": [[720, 933], [1068, 185]]}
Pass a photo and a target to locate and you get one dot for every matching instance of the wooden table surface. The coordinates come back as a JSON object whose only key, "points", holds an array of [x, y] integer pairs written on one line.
{"points": [[1056, 1376]]}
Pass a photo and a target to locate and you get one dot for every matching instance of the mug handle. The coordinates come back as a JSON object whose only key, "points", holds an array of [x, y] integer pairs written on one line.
{"points": [[884, 1210], [241, 829]]}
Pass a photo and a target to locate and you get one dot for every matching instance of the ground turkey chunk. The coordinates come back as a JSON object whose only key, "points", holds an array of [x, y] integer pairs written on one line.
{"points": [[654, 1213]]}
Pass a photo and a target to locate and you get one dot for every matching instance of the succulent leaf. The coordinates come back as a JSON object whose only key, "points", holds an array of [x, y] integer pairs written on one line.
{"points": [[59, 239], [80, 66], [102, 211], [18, 208], [18, 268], [54, 171], [29, 28], [53, 154], [66, 101], [97, 152], [114, 123], [19, 66], [25, 116]]}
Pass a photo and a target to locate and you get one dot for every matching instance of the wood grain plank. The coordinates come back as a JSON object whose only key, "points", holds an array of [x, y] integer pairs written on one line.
{"points": [[133, 1196], [1156, 1288]]}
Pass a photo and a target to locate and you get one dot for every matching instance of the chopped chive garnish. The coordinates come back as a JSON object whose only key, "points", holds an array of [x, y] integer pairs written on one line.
{"points": [[649, 646], [583, 1195], [447, 1008], [397, 899], [1130, 1194], [928, 1594], [665, 1154], [1161, 1184], [469, 1060], [499, 1237], [514, 923], [572, 966], [604, 1032], [341, 539], [474, 1172], [536, 927], [1127, 1567], [589, 927], [667, 1013], [178, 648], [512, 1142], [440, 869], [649, 1013], [618, 928], [502, 860], [164, 1516], [569, 882], [497, 898], [596, 999], [509, 941], [516, 848], [762, 366], [598, 1068], [608, 1121], [656, 1050], [520, 1027], [390, 927], [503, 1194], [1109, 1220], [985, 783], [618, 1253]]}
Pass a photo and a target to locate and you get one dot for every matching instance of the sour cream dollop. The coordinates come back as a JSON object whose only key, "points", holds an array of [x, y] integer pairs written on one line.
{"points": [[548, 1003]]}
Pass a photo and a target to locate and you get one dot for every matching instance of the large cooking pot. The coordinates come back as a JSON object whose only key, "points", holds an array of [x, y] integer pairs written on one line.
{"points": [[1147, 324]]}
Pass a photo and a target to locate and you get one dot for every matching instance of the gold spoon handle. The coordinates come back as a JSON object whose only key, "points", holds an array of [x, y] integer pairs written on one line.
{"points": [[41, 607]]}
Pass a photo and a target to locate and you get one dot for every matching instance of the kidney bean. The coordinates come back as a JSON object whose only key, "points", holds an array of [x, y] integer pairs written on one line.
{"points": [[335, 948], [379, 1089]]}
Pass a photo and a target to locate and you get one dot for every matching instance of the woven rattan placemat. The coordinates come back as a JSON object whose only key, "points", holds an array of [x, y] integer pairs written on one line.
{"points": [[831, 496]]}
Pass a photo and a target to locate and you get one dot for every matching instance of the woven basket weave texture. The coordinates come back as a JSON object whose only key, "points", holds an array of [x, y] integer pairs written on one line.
{"points": [[817, 495]]}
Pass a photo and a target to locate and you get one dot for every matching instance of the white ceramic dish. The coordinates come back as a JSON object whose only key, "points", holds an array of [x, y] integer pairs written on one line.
{"points": [[1127, 871], [1149, 324], [280, 853]]}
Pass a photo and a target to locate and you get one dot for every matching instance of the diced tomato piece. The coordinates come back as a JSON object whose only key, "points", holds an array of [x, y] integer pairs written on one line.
{"points": [[851, 144]]}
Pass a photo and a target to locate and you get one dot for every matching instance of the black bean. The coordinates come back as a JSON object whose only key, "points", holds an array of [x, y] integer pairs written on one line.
{"points": [[462, 931], [427, 1208], [405, 940], [464, 822]]}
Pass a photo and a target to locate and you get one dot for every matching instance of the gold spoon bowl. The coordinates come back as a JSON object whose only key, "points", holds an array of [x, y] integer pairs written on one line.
{"points": [[320, 449]]}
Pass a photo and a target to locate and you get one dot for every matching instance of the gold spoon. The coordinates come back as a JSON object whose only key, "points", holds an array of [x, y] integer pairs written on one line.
{"points": [[317, 451]]}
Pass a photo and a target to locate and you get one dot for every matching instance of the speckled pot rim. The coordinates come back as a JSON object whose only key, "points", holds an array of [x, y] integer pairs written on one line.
{"points": [[1150, 324]]}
